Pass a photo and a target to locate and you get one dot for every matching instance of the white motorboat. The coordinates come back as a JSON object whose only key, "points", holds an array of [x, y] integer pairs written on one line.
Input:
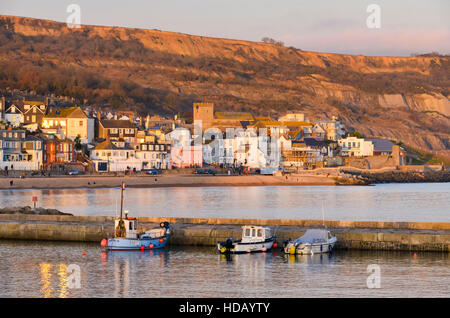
{"points": [[312, 242], [254, 239]]}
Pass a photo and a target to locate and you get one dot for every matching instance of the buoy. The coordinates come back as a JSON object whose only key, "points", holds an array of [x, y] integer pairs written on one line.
{"points": [[415, 255], [84, 253], [161, 240], [292, 250], [151, 246], [142, 248], [223, 250], [104, 243], [264, 249], [275, 245]]}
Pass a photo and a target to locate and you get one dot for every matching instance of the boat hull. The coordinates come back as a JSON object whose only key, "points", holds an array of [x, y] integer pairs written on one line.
{"points": [[310, 248], [241, 248], [125, 244]]}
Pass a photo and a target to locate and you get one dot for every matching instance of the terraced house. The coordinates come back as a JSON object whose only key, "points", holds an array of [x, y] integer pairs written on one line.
{"points": [[19, 151], [118, 130], [56, 150]]}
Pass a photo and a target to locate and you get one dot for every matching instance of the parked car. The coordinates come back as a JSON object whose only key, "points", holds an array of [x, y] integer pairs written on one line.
{"points": [[73, 172], [152, 171], [200, 171], [211, 171]]}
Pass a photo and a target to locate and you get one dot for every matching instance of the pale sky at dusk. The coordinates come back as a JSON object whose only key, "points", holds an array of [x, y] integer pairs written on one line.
{"points": [[407, 27]]}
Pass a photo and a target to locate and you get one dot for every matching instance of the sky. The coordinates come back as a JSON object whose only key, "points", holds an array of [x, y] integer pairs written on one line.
{"points": [[405, 26]]}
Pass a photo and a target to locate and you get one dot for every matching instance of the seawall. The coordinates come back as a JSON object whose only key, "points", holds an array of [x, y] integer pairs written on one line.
{"points": [[407, 236]]}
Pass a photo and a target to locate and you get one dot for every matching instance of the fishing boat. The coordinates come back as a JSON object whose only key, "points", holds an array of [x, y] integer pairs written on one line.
{"points": [[254, 239], [127, 237], [312, 242]]}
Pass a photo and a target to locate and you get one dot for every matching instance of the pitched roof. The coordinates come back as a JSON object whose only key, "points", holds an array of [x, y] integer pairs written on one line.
{"points": [[233, 115], [381, 144], [112, 123], [64, 112], [296, 123]]}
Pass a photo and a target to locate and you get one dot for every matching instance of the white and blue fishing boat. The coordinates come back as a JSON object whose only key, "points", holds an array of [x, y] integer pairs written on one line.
{"points": [[126, 235]]}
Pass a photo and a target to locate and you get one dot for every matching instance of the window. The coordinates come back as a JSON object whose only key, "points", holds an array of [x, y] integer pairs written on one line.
{"points": [[253, 232], [260, 234], [81, 123], [247, 232]]}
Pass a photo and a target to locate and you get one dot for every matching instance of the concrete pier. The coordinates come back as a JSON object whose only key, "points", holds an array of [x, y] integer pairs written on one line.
{"points": [[407, 236]]}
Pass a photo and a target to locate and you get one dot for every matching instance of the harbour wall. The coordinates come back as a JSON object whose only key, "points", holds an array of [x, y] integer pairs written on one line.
{"points": [[407, 236]]}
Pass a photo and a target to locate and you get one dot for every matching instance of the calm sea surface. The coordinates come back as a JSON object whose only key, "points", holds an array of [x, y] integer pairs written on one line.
{"points": [[44, 269], [428, 202]]}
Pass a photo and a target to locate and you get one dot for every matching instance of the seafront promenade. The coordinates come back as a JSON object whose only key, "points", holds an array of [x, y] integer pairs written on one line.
{"points": [[359, 235]]}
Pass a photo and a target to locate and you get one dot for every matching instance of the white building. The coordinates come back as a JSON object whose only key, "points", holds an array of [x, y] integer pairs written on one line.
{"points": [[355, 147], [20, 152], [154, 155], [115, 156]]}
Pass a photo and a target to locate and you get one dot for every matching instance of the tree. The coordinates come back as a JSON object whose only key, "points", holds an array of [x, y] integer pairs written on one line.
{"points": [[356, 134], [78, 145]]}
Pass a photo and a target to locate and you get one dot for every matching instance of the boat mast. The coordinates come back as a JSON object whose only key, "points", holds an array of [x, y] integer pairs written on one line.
{"points": [[323, 216], [121, 199]]}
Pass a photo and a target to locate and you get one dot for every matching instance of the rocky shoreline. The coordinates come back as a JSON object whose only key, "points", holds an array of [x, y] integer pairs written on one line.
{"points": [[400, 176], [30, 210]]}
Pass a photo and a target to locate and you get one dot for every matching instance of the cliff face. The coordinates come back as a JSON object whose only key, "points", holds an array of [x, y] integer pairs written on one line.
{"points": [[402, 98]]}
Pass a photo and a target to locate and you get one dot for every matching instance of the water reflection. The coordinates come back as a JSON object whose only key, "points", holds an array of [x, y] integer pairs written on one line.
{"points": [[128, 267], [387, 202], [40, 269], [314, 259], [46, 275]]}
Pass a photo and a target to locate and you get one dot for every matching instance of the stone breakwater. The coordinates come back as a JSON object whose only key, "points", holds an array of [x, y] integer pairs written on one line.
{"points": [[406, 236], [30, 210], [394, 176]]}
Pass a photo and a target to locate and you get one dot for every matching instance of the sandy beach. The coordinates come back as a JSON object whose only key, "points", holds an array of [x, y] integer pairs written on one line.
{"points": [[160, 181]]}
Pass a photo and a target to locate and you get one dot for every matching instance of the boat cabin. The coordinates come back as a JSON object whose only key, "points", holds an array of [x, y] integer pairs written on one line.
{"points": [[252, 233], [126, 227]]}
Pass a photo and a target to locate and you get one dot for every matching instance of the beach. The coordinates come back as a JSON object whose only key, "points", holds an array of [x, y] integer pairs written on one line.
{"points": [[63, 182]]}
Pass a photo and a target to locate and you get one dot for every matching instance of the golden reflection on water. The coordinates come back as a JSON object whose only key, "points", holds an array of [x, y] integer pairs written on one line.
{"points": [[46, 275], [62, 273], [47, 290]]}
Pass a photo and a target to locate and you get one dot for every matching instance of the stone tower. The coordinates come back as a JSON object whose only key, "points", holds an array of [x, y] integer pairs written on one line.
{"points": [[205, 113]]}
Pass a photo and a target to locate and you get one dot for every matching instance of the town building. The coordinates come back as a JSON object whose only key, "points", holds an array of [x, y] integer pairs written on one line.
{"points": [[204, 113], [19, 151], [72, 122], [57, 151], [118, 130], [114, 156], [13, 114], [355, 147], [154, 155], [334, 129]]}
